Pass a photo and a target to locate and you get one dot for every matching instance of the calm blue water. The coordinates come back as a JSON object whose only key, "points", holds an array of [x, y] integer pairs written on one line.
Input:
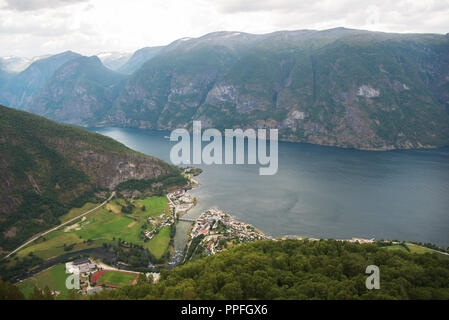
{"points": [[325, 192]]}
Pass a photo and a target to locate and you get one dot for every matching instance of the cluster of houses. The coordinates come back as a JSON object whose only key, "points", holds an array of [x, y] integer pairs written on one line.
{"points": [[180, 202], [158, 223], [219, 228], [353, 240], [360, 240]]}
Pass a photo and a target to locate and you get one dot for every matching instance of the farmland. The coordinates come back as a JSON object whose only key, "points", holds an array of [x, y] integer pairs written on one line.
{"points": [[106, 225], [159, 244], [77, 211]]}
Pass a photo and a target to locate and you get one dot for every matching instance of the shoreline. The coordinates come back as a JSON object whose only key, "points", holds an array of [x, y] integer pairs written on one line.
{"points": [[369, 149]]}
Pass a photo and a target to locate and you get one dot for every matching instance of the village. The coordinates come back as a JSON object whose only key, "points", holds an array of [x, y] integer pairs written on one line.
{"points": [[180, 202], [352, 240], [220, 230], [158, 223]]}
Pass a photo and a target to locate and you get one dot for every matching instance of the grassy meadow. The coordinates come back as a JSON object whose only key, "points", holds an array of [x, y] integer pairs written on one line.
{"points": [[53, 277], [160, 243], [105, 225]]}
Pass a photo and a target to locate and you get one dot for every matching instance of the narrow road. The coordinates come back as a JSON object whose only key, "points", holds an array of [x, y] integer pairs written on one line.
{"points": [[61, 225], [169, 200]]}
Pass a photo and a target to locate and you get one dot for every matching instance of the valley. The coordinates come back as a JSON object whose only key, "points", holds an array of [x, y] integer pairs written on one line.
{"points": [[96, 201]]}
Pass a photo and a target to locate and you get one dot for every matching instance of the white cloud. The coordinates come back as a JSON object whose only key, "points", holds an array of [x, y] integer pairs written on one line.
{"points": [[30, 28], [30, 5]]}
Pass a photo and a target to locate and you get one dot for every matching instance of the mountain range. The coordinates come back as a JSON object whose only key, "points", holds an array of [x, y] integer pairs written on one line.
{"points": [[338, 87]]}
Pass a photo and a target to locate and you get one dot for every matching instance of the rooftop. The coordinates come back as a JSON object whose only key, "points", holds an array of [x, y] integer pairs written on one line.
{"points": [[81, 261]]}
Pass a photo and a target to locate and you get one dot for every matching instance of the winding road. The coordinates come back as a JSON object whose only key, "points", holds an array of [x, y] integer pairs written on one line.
{"points": [[59, 226]]}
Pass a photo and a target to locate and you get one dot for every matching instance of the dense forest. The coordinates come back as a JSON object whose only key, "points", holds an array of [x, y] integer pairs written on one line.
{"points": [[294, 269], [288, 269]]}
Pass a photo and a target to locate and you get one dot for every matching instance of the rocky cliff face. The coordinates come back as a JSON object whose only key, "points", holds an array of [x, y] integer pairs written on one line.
{"points": [[339, 87], [107, 170], [81, 91]]}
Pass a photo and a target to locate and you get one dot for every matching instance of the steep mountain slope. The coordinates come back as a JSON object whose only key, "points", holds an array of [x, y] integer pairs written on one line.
{"points": [[4, 77], [47, 168], [23, 87], [79, 91], [363, 90], [138, 59], [167, 90]]}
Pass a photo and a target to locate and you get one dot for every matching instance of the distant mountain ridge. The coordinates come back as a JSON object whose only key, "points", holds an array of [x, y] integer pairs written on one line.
{"points": [[20, 90], [113, 60], [78, 91], [14, 64], [138, 59], [338, 87]]}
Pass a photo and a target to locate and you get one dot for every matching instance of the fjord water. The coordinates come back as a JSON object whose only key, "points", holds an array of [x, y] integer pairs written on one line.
{"points": [[323, 192]]}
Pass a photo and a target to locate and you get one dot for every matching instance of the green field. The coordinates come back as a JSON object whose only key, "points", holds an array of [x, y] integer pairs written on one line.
{"points": [[418, 249], [154, 206], [414, 249], [77, 211], [54, 278], [109, 225], [396, 247], [159, 244], [104, 225], [116, 278]]}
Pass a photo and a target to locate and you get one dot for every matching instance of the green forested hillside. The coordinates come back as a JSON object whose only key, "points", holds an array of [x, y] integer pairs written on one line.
{"points": [[292, 269], [47, 168]]}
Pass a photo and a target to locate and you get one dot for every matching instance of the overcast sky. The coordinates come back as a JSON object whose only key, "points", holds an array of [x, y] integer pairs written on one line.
{"points": [[36, 27]]}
